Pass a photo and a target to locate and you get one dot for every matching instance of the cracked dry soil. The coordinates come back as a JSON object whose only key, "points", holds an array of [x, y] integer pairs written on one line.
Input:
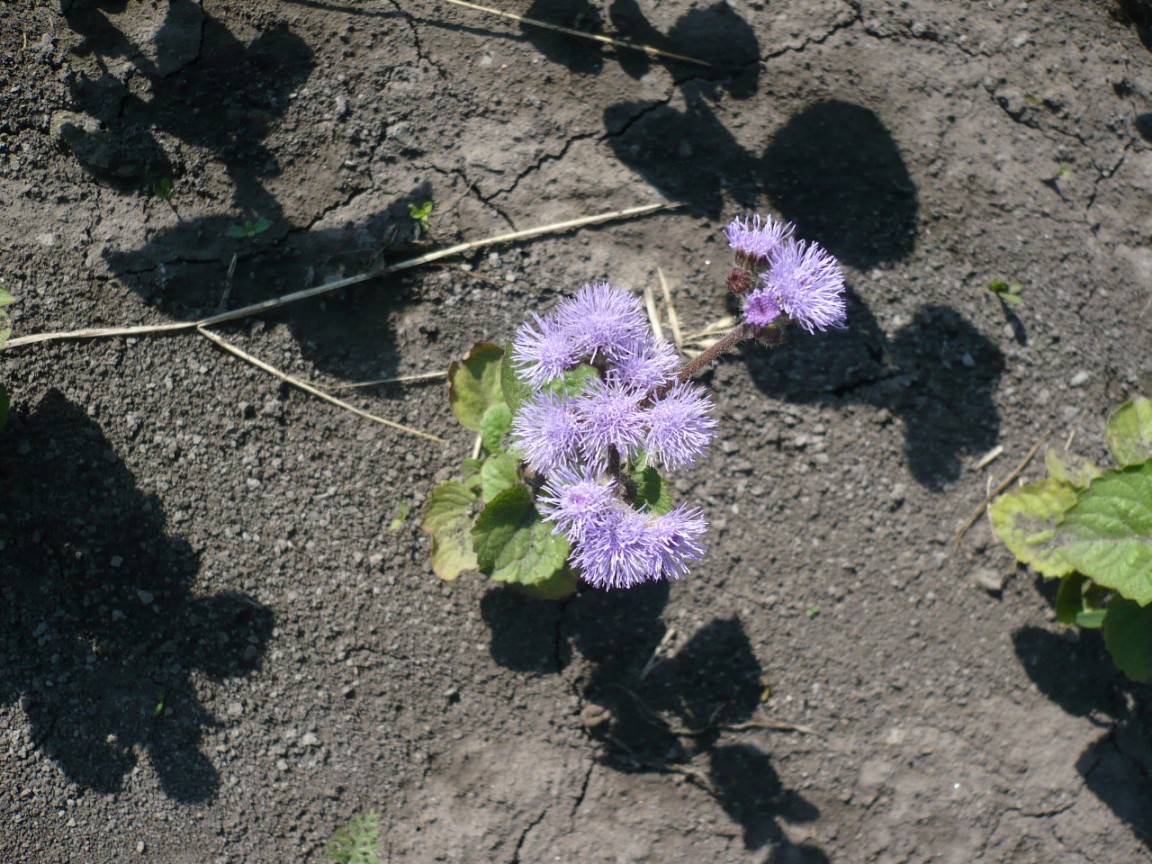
{"points": [[216, 646]]}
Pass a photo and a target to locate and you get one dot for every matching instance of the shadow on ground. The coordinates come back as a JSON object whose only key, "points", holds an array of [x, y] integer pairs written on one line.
{"points": [[100, 632], [658, 708], [938, 374], [1074, 671], [181, 80]]}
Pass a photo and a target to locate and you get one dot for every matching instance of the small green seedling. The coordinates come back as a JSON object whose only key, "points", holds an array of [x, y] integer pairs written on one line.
{"points": [[249, 229], [422, 217], [163, 189], [1064, 171], [159, 709], [401, 515], [1007, 292], [358, 842], [813, 612]]}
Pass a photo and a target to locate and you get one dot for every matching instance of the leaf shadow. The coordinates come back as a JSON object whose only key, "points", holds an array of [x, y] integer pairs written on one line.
{"points": [[100, 631]]}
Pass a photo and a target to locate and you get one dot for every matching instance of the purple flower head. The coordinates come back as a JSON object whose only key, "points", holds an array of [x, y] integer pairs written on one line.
{"points": [[645, 365], [807, 283], [756, 241], [761, 308], [626, 547], [546, 431], [680, 426], [574, 500], [543, 352], [609, 415], [602, 319]]}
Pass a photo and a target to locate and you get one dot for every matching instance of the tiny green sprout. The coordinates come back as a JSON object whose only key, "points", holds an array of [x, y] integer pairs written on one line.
{"points": [[813, 612], [1064, 171], [163, 189], [401, 514], [1033, 100], [249, 229], [1008, 292], [358, 842], [159, 709], [422, 217]]}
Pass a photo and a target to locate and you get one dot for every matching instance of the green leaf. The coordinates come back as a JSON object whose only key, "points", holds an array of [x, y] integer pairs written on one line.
{"points": [[470, 474], [574, 381], [1128, 635], [474, 384], [652, 491], [5, 297], [493, 425], [513, 544], [358, 842], [448, 519], [515, 391], [559, 585], [1107, 535], [237, 231], [1090, 619], [260, 227], [1025, 521], [1070, 598], [1129, 432], [498, 473], [1070, 468]]}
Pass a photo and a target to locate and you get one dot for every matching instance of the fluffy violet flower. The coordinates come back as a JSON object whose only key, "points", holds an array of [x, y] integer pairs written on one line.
{"points": [[609, 414], [680, 426], [602, 319], [543, 350], [761, 308], [645, 365], [546, 431], [807, 283], [626, 547], [756, 241], [575, 500]]}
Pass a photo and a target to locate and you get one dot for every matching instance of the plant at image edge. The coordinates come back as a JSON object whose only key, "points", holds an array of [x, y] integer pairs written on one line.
{"points": [[1092, 530], [582, 413], [358, 842]]}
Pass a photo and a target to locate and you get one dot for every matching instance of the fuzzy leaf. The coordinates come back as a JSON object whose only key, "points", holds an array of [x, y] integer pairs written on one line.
{"points": [[1107, 535], [493, 425], [1128, 635], [652, 491], [1025, 521], [515, 391], [1129, 432], [1070, 468], [448, 519], [497, 474], [513, 544], [474, 384], [574, 381]]}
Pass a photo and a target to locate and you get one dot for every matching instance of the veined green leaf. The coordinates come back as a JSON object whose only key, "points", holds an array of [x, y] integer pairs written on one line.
{"points": [[448, 519], [1107, 534], [493, 425], [474, 384], [498, 473], [513, 544]]}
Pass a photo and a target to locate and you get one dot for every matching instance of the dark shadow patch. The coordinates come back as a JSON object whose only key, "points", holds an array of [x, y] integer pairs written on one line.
{"points": [[938, 374], [579, 56], [99, 630], [1074, 671], [1144, 126], [525, 631], [835, 171]]}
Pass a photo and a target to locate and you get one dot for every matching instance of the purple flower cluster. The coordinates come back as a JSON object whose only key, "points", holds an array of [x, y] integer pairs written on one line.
{"points": [[633, 411], [779, 276]]}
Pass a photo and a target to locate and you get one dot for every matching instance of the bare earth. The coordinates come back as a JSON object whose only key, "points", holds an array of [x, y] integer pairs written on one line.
{"points": [[216, 647]]}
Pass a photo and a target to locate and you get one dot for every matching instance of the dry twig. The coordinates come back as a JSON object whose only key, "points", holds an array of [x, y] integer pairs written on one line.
{"points": [[979, 511]]}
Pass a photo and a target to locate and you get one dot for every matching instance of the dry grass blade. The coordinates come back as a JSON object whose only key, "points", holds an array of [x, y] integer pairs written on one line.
{"points": [[971, 520], [673, 318], [605, 40], [309, 388], [347, 281], [402, 379], [653, 318]]}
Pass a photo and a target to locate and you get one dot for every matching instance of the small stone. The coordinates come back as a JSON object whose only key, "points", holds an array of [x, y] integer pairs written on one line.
{"points": [[1079, 379], [235, 709], [145, 596], [116, 561], [140, 847], [308, 739], [990, 580]]}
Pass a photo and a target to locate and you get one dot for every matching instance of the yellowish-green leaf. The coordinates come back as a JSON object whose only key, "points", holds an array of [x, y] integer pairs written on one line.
{"points": [[474, 384], [1130, 432], [1025, 521], [493, 425], [448, 519], [498, 473], [1069, 467]]}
